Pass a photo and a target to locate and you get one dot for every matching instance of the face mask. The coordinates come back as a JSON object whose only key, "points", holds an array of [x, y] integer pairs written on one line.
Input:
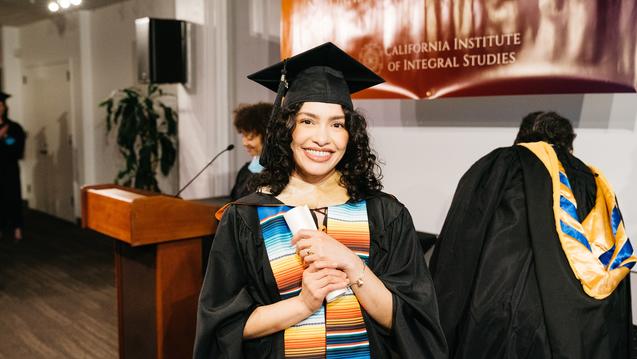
{"points": [[255, 166]]}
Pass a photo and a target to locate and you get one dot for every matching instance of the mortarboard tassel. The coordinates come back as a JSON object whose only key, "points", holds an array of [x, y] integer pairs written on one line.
{"points": [[283, 86]]}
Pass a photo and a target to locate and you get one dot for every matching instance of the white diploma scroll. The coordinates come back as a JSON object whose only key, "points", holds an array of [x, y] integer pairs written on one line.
{"points": [[299, 218]]}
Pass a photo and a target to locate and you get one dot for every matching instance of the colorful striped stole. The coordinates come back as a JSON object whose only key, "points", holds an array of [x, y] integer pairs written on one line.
{"points": [[597, 248], [336, 330]]}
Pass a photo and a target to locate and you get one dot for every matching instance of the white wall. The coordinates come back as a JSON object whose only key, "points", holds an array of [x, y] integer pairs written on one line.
{"points": [[426, 146]]}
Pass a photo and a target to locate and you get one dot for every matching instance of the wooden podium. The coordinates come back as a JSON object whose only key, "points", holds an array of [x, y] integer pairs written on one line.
{"points": [[157, 265]]}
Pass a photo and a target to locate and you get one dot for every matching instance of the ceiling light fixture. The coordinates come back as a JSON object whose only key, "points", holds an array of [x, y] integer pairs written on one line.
{"points": [[53, 7], [58, 5]]}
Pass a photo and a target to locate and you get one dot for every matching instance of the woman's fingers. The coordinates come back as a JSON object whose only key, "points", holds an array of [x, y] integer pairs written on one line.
{"points": [[310, 259], [334, 286], [304, 233], [329, 280], [320, 269], [318, 265], [318, 280], [322, 274], [331, 273], [302, 244]]}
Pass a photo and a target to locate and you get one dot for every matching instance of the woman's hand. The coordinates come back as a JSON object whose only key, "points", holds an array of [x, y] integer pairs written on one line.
{"points": [[318, 246], [319, 279], [323, 252]]}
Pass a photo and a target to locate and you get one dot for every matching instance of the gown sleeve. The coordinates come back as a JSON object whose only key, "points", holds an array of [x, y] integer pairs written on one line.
{"points": [[416, 330], [225, 302], [472, 218], [13, 144], [241, 183], [20, 140]]}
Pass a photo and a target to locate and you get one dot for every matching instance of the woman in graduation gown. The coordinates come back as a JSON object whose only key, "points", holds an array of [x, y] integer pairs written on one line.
{"points": [[12, 138], [264, 291], [250, 121]]}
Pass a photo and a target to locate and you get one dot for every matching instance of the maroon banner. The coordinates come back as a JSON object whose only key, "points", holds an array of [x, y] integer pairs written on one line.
{"points": [[450, 48]]}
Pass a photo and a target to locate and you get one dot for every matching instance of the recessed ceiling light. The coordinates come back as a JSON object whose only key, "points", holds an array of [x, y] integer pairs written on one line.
{"points": [[65, 4], [53, 7], [76, 2]]}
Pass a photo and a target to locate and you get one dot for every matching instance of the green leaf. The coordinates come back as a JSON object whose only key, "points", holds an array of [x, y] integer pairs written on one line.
{"points": [[131, 92], [106, 102], [146, 137], [171, 123], [168, 155]]}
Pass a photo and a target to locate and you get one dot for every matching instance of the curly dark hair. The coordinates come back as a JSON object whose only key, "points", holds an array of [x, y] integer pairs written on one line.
{"points": [[252, 118], [360, 172], [546, 126]]}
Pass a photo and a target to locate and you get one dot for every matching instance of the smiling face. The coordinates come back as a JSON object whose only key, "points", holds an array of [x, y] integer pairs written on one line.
{"points": [[319, 140], [252, 143]]}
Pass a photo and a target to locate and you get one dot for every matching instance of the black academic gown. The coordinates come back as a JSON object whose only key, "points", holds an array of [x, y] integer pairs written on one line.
{"points": [[505, 288], [241, 184], [239, 279], [11, 151]]}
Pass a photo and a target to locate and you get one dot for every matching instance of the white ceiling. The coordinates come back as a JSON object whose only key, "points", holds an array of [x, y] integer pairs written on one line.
{"points": [[22, 12]]}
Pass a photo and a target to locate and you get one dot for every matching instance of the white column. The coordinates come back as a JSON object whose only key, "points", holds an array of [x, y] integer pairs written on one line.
{"points": [[204, 106], [12, 69], [89, 126], [222, 134]]}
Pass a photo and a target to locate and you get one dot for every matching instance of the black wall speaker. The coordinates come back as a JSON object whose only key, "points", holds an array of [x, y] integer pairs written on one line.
{"points": [[162, 49]]}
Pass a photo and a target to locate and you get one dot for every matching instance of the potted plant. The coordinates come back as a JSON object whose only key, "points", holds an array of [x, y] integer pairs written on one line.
{"points": [[146, 134]]}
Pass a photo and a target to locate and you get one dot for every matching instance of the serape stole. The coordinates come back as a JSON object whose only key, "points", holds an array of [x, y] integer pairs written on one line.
{"points": [[337, 329], [597, 247]]}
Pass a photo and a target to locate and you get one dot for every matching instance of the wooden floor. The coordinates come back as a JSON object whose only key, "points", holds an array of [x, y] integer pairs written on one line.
{"points": [[57, 294]]}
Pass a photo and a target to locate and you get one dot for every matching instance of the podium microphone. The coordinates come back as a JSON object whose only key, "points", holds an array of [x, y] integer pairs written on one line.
{"points": [[229, 148]]}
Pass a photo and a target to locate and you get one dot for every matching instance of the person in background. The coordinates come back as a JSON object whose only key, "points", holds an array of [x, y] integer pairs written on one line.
{"points": [[533, 258], [12, 138], [250, 121], [266, 290]]}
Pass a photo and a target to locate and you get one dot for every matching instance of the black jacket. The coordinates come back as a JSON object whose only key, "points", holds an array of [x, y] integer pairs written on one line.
{"points": [[11, 151], [241, 184]]}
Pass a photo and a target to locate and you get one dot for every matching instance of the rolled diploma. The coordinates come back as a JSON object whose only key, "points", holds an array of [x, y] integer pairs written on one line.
{"points": [[299, 218]]}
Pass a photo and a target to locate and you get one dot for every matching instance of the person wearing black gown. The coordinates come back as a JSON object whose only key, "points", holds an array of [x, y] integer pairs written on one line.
{"points": [[250, 121], [265, 290], [12, 138], [533, 259]]}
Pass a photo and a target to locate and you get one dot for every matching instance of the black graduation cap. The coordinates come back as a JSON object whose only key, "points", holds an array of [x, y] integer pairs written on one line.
{"points": [[4, 96], [322, 74]]}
